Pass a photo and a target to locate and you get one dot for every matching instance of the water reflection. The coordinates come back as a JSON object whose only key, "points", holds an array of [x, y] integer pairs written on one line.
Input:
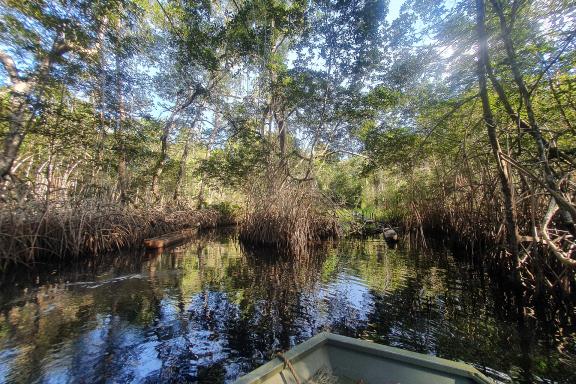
{"points": [[211, 310]]}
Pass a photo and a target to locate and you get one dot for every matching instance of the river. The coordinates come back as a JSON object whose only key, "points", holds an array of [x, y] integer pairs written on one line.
{"points": [[209, 311]]}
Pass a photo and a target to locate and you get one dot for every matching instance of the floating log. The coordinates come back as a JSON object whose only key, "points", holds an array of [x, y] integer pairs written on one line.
{"points": [[169, 238]]}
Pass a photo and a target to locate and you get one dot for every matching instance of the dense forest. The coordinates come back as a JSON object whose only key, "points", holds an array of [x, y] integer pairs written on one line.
{"points": [[454, 120]]}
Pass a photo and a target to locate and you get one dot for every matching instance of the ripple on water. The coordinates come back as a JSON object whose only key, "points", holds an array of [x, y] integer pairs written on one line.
{"points": [[211, 312]]}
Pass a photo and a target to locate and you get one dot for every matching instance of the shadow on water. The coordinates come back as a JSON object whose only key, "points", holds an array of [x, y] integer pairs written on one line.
{"points": [[210, 310]]}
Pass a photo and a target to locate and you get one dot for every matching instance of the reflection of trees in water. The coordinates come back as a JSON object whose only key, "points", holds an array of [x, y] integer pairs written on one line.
{"points": [[209, 310], [287, 300], [214, 303], [383, 269], [267, 289], [80, 328], [449, 312]]}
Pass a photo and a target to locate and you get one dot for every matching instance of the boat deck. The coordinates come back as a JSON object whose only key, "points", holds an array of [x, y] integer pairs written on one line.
{"points": [[360, 362]]}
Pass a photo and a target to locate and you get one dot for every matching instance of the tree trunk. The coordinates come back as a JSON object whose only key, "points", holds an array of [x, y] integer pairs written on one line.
{"points": [[15, 136], [20, 94], [184, 158], [281, 123], [560, 106], [200, 198], [568, 211], [100, 98], [123, 183], [167, 129], [505, 183]]}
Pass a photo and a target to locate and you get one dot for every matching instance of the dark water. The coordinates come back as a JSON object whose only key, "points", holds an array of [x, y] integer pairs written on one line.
{"points": [[209, 311]]}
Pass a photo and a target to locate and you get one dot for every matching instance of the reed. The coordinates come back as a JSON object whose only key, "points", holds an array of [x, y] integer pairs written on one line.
{"points": [[468, 216], [32, 231], [287, 215]]}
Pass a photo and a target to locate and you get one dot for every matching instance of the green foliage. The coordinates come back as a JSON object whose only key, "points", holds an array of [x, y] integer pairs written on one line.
{"points": [[227, 209], [337, 181], [391, 147], [240, 160]]}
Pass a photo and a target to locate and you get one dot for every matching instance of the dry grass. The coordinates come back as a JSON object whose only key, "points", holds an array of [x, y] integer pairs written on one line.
{"points": [[287, 215], [32, 230], [468, 216]]}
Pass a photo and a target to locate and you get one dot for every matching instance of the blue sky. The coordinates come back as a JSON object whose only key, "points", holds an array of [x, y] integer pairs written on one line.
{"points": [[394, 9]]}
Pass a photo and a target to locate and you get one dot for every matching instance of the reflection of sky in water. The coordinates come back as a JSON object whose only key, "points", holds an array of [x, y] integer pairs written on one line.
{"points": [[350, 296], [178, 317], [6, 356]]}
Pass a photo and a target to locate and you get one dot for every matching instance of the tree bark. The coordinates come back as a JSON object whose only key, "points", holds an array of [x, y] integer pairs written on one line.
{"points": [[15, 136], [184, 158], [560, 106], [166, 131], [123, 183], [100, 97], [505, 183], [21, 91], [568, 211]]}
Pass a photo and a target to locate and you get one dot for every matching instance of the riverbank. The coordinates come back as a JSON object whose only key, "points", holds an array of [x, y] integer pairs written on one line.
{"points": [[32, 231]]}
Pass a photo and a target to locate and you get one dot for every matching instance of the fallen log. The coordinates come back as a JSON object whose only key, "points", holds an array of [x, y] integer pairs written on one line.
{"points": [[169, 238]]}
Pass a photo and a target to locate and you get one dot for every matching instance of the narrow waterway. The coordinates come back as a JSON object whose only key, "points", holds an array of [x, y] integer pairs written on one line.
{"points": [[209, 311]]}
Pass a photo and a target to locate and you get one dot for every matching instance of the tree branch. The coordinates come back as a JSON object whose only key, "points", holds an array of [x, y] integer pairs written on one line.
{"points": [[353, 153], [9, 66], [552, 61], [456, 106], [561, 200], [562, 256]]}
